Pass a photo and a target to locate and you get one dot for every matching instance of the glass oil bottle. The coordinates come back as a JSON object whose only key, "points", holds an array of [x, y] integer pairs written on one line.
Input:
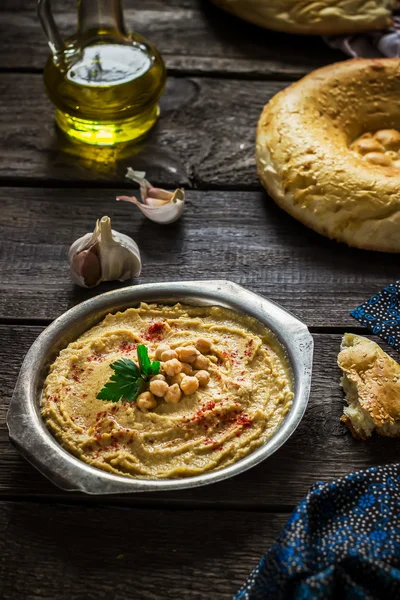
{"points": [[105, 83]]}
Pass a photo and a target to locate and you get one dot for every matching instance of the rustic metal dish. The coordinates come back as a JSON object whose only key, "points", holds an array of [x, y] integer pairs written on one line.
{"points": [[29, 433]]}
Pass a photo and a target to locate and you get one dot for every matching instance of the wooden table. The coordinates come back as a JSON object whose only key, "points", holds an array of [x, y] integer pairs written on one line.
{"points": [[192, 544]]}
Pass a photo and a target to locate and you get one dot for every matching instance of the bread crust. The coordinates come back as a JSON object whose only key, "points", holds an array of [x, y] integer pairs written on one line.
{"points": [[305, 162], [325, 17], [376, 379], [356, 434]]}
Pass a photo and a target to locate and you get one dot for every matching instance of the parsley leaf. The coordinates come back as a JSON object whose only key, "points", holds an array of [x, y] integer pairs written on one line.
{"points": [[154, 368], [144, 361], [126, 368], [118, 387], [129, 380]]}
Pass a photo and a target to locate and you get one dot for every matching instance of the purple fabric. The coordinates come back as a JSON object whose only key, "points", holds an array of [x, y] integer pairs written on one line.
{"points": [[376, 44]]}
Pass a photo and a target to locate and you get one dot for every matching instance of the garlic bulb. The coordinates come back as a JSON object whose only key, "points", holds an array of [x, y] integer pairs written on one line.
{"points": [[158, 205], [104, 255]]}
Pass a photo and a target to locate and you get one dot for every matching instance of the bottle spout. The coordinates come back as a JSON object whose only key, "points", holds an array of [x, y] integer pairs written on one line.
{"points": [[100, 18]]}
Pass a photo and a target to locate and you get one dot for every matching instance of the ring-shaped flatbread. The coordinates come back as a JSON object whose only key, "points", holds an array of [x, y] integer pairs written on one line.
{"points": [[328, 152]]}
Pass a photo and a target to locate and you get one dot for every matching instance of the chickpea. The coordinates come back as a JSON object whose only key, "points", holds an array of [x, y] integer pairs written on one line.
{"points": [[168, 355], [391, 154], [172, 367], [203, 377], [145, 401], [203, 346], [390, 138], [187, 353], [160, 349], [201, 363], [187, 369], [368, 145], [377, 158], [173, 394], [159, 377], [158, 387], [177, 378], [189, 385]]}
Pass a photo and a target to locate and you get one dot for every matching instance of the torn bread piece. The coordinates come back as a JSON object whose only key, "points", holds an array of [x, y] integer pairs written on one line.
{"points": [[371, 382]]}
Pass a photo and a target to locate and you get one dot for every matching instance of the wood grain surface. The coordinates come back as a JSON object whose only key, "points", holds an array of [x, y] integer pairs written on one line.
{"points": [[193, 37], [100, 553], [320, 449], [241, 236], [205, 136]]}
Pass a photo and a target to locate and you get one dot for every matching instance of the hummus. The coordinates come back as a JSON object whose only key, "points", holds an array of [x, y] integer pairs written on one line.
{"points": [[246, 399]]}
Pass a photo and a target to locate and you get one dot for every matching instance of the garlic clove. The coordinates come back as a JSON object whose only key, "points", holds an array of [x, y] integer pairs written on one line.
{"points": [[84, 261], [104, 255], [140, 178], [119, 254], [155, 201], [86, 268], [160, 194], [164, 214], [161, 206], [148, 202]]}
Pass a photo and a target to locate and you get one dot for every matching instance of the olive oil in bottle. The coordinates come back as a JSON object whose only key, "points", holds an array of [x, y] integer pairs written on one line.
{"points": [[104, 83]]}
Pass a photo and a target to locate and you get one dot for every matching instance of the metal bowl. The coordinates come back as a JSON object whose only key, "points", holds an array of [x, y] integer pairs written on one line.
{"points": [[31, 436]]}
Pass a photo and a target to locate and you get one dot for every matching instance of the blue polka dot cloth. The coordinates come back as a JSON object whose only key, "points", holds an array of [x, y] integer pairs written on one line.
{"points": [[342, 541], [381, 314]]}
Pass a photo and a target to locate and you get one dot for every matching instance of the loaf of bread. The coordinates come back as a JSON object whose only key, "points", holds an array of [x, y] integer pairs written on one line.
{"points": [[322, 17]]}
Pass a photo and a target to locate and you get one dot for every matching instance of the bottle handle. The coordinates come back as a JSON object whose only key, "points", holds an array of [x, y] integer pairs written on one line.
{"points": [[50, 28]]}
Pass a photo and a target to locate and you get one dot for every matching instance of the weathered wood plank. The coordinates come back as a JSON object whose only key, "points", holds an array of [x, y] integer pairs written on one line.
{"points": [[193, 36], [206, 133], [320, 449], [98, 553], [241, 236]]}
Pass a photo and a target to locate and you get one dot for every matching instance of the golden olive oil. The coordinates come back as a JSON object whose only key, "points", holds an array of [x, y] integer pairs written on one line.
{"points": [[106, 93]]}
